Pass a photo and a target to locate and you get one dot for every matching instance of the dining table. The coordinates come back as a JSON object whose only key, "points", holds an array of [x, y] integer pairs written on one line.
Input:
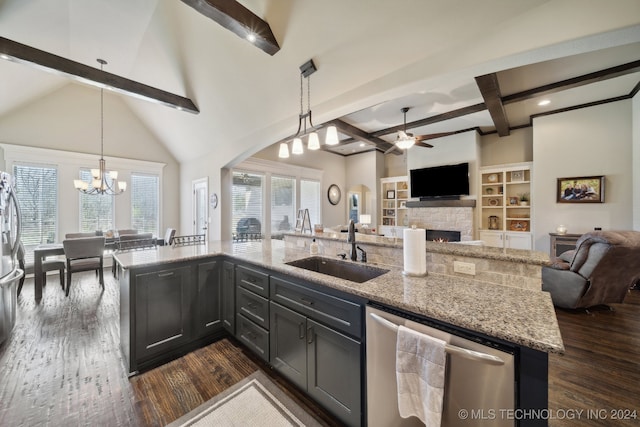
{"points": [[40, 252]]}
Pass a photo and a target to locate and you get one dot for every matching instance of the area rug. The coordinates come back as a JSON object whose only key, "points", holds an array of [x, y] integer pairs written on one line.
{"points": [[254, 401]]}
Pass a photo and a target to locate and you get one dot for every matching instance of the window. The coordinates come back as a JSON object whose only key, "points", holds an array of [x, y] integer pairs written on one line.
{"points": [[145, 190], [96, 210], [310, 199], [283, 204], [247, 194], [37, 193]]}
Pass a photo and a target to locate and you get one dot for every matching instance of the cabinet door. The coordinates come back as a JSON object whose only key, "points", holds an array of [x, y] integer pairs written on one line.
{"points": [[228, 297], [518, 240], [163, 311], [492, 238], [209, 298], [334, 377], [287, 347]]}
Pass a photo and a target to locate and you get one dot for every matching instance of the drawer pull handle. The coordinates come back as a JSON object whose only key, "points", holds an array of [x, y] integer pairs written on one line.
{"points": [[306, 301], [170, 273], [301, 330], [309, 334]]}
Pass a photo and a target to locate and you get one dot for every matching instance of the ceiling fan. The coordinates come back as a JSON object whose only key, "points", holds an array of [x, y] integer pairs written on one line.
{"points": [[406, 140]]}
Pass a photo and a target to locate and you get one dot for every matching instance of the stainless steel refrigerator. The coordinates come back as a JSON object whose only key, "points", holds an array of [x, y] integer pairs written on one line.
{"points": [[10, 274]]}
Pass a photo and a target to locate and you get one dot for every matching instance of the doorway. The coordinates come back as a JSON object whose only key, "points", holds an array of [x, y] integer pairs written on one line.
{"points": [[200, 208]]}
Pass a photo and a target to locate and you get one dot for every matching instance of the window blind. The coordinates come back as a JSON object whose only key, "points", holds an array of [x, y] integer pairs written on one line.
{"points": [[96, 210], [283, 204], [145, 203], [37, 193], [247, 194]]}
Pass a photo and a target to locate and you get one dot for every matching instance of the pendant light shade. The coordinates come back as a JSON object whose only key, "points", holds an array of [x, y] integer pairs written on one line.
{"points": [[314, 141], [332, 136], [283, 153], [296, 147]]}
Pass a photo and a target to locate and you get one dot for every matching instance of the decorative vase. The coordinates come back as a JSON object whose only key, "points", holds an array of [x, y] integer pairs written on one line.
{"points": [[524, 203]]}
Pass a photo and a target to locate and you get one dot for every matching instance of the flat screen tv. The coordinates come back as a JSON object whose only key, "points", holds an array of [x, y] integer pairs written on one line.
{"points": [[448, 181]]}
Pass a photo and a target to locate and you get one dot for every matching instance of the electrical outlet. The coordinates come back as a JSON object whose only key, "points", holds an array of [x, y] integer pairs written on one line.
{"points": [[464, 268]]}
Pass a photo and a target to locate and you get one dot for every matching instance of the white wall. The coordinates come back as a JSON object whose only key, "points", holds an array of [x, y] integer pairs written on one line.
{"points": [[68, 120], [585, 142], [517, 147], [462, 147]]}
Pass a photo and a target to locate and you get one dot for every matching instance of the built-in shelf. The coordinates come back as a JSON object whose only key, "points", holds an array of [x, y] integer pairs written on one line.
{"points": [[463, 203]]}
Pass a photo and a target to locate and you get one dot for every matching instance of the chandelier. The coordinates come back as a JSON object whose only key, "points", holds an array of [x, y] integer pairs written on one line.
{"points": [[103, 182], [313, 142]]}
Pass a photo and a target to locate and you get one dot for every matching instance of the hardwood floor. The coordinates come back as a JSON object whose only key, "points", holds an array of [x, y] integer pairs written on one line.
{"points": [[62, 366]]}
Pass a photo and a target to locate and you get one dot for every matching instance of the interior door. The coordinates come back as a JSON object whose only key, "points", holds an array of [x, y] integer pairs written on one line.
{"points": [[200, 208]]}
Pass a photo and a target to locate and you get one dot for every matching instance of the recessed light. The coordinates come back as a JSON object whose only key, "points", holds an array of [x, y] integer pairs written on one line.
{"points": [[544, 102], [251, 37]]}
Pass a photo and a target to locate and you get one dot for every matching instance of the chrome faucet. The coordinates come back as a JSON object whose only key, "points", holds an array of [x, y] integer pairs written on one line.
{"points": [[351, 238]]}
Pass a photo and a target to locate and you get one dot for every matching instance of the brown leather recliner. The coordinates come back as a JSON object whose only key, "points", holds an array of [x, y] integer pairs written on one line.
{"points": [[600, 270]]}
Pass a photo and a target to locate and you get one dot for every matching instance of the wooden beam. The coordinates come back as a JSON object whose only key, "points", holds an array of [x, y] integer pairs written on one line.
{"points": [[608, 73], [431, 120], [17, 52], [238, 19], [490, 90], [359, 134]]}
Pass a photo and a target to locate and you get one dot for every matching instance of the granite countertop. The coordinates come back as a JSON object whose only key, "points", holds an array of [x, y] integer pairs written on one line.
{"points": [[468, 249], [520, 316]]}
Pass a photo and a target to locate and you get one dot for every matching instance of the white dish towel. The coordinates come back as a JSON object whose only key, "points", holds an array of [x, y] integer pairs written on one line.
{"points": [[420, 373]]}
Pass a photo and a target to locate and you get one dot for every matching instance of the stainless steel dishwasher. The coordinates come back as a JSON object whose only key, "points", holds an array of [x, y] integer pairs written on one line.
{"points": [[479, 379]]}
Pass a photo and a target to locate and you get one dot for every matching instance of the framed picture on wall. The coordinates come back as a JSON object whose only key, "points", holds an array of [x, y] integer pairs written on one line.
{"points": [[584, 189]]}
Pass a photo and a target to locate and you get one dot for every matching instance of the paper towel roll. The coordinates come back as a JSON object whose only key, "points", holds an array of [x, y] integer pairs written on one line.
{"points": [[415, 251]]}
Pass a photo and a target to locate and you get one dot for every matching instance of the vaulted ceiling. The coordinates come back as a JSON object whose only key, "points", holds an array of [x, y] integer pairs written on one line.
{"points": [[374, 57]]}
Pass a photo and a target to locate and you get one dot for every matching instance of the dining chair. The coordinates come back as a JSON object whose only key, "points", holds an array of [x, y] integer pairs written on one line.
{"points": [[85, 254], [79, 235], [47, 265], [127, 231], [168, 236]]}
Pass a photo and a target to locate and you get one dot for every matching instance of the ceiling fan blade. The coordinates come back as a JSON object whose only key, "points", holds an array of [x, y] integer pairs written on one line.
{"points": [[432, 136], [423, 144]]}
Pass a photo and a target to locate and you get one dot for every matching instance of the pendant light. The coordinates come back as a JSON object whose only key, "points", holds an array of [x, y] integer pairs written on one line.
{"points": [[313, 140], [103, 182]]}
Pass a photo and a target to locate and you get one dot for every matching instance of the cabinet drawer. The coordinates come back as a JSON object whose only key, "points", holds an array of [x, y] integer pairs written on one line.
{"points": [[253, 307], [253, 336], [335, 312], [255, 281]]}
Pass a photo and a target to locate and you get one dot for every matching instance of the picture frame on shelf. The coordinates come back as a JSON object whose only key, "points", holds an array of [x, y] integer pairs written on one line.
{"points": [[517, 176], [585, 189], [391, 194], [403, 204], [519, 225]]}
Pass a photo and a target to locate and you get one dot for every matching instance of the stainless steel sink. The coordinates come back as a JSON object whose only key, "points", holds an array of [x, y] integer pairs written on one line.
{"points": [[342, 269]]}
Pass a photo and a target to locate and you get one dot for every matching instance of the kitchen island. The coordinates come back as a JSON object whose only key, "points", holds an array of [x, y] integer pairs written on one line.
{"points": [[521, 318]]}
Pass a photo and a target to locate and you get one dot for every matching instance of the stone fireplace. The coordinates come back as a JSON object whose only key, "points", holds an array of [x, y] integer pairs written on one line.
{"points": [[443, 236], [445, 219]]}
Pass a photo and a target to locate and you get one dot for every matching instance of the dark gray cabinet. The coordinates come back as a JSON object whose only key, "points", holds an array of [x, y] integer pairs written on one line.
{"points": [[252, 309], [163, 311], [228, 297], [208, 298], [308, 344]]}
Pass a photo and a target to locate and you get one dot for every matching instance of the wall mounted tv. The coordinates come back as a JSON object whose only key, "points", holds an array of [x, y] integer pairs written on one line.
{"points": [[444, 182]]}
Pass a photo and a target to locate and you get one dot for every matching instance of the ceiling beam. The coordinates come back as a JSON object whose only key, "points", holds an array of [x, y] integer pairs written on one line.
{"points": [[17, 52], [357, 133], [238, 19], [431, 120], [608, 73], [490, 90]]}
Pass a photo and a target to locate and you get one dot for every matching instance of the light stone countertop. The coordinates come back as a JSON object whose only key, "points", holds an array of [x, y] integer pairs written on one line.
{"points": [[520, 316], [450, 248]]}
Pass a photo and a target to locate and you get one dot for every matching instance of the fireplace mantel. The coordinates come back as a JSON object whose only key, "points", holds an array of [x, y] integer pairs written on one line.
{"points": [[462, 203]]}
